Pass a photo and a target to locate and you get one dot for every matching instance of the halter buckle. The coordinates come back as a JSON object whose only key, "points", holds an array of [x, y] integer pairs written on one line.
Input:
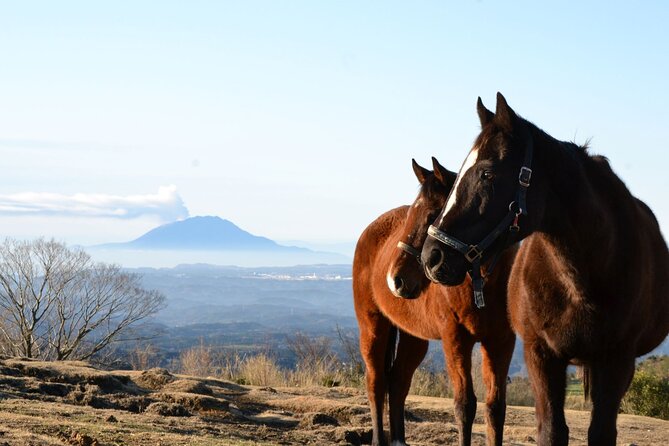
{"points": [[525, 176], [473, 254]]}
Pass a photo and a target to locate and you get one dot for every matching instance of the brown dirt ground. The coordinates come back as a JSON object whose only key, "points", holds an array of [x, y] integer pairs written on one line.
{"points": [[72, 403]]}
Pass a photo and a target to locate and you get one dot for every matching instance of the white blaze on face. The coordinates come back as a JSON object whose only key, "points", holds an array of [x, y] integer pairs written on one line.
{"points": [[469, 162]]}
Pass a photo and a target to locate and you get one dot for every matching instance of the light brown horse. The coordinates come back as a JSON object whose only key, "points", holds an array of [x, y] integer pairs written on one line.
{"points": [[590, 284], [390, 290]]}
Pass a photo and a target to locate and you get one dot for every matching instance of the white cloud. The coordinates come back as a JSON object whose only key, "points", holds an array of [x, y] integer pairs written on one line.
{"points": [[166, 204]]}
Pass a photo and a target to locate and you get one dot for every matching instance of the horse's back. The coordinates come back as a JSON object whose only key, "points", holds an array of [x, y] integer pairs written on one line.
{"points": [[654, 269], [643, 259], [374, 236]]}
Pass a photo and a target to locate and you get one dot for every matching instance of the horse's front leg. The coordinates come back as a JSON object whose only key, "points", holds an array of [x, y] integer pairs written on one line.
{"points": [[496, 352], [548, 377], [376, 344], [458, 344], [410, 353], [608, 382]]}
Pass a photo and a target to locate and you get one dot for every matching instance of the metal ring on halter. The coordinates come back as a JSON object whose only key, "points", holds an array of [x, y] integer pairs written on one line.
{"points": [[409, 250]]}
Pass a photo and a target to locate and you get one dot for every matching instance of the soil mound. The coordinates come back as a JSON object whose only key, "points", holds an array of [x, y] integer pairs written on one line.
{"points": [[42, 402]]}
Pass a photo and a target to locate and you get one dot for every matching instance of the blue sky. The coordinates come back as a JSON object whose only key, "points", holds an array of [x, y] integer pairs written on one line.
{"points": [[298, 120]]}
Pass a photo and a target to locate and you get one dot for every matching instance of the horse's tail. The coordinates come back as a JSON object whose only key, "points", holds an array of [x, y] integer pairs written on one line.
{"points": [[587, 378], [391, 349]]}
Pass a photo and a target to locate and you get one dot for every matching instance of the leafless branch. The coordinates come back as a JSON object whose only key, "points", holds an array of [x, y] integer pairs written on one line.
{"points": [[57, 303]]}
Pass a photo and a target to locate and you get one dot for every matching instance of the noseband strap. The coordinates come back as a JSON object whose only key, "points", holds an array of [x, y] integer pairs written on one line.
{"points": [[509, 224], [410, 250]]}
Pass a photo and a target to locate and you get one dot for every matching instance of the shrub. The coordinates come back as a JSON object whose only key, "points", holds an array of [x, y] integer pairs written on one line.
{"points": [[198, 360], [261, 370], [427, 382], [430, 380], [319, 365], [144, 357], [648, 395], [229, 366], [324, 372], [519, 392], [656, 365]]}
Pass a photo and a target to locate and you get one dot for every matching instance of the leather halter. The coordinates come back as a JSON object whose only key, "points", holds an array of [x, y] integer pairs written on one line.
{"points": [[410, 250], [474, 253]]}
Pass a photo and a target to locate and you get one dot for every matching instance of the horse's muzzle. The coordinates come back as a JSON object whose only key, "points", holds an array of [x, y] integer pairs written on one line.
{"points": [[443, 268]]}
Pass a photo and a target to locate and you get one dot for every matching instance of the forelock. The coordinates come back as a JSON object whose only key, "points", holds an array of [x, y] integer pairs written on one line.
{"points": [[491, 143]]}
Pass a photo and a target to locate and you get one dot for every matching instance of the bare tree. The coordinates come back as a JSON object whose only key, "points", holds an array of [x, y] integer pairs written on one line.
{"points": [[350, 345], [144, 357], [57, 303], [309, 350]]}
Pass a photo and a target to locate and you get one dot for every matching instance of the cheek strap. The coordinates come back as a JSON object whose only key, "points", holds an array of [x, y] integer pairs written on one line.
{"points": [[410, 250]]}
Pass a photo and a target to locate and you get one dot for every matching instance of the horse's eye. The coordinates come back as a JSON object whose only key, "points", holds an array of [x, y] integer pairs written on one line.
{"points": [[486, 175]]}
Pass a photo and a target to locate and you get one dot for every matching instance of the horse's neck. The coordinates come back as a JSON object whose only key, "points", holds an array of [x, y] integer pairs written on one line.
{"points": [[575, 218]]}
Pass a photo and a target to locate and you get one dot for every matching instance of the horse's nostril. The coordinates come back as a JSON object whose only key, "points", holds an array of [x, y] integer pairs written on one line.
{"points": [[399, 283], [435, 259]]}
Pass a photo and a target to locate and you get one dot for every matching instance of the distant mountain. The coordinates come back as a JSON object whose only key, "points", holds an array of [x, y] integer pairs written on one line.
{"points": [[343, 248], [210, 240], [203, 234]]}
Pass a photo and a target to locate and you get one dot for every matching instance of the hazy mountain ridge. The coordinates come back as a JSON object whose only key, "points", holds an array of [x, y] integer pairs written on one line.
{"points": [[202, 233], [210, 240]]}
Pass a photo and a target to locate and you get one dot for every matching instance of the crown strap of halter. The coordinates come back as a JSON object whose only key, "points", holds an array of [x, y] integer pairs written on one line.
{"points": [[509, 224]]}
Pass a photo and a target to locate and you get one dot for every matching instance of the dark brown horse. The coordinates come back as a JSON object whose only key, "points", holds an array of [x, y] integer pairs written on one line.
{"points": [[390, 290], [590, 284]]}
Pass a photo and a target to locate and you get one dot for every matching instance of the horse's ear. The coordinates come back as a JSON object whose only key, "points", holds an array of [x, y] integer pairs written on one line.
{"points": [[445, 176], [485, 115], [421, 172], [504, 116]]}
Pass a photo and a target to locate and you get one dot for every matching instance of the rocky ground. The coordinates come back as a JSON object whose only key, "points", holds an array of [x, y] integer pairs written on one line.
{"points": [[72, 403]]}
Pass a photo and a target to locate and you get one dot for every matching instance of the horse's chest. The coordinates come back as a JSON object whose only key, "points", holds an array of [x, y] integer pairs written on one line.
{"points": [[413, 317]]}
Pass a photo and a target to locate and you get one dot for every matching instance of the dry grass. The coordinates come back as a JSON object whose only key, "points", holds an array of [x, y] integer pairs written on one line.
{"points": [[198, 361], [317, 366], [260, 370], [320, 373], [427, 382]]}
